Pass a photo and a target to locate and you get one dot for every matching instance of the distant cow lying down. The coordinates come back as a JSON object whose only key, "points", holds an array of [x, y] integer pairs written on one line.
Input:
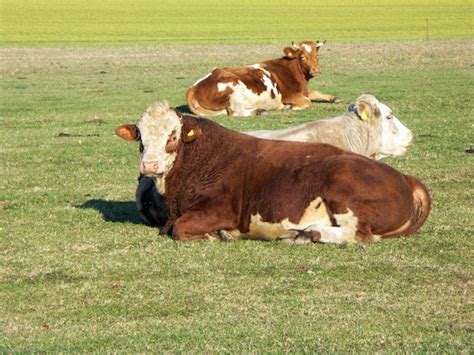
{"points": [[221, 183], [368, 128], [271, 85]]}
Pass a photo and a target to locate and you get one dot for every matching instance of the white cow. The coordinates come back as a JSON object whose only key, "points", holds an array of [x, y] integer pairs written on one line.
{"points": [[368, 128]]}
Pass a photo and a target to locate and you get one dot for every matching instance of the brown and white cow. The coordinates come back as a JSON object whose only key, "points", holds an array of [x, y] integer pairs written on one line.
{"points": [[219, 182], [368, 128], [271, 85]]}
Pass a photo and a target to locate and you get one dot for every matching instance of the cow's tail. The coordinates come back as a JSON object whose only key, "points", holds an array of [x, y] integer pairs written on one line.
{"points": [[194, 105], [421, 205]]}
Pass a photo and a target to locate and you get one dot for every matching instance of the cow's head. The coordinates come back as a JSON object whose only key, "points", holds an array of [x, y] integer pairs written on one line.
{"points": [[160, 132], [307, 53], [394, 136]]}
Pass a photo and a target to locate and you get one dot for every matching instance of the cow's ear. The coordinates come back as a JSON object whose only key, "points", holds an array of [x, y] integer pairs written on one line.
{"points": [[290, 52], [190, 133], [367, 110], [129, 132]]}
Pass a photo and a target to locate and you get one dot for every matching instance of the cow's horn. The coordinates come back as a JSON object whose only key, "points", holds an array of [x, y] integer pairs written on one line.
{"points": [[319, 43]]}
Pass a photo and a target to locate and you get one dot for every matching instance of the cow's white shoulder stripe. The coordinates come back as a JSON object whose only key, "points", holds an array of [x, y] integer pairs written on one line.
{"points": [[203, 78]]}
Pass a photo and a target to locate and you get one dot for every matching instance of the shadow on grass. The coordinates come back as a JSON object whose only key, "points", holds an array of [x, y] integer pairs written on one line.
{"points": [[115, 211]]}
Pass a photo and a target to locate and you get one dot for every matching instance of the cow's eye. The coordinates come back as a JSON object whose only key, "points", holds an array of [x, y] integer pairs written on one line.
{"points": [[389, 117]]}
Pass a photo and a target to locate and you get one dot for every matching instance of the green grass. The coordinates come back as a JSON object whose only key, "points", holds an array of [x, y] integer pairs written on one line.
{"points": [[115, 22], [80, 272]]}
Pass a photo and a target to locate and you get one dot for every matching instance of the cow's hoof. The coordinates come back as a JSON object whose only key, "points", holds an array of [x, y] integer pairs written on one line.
{"points": [[337, 100], [261, 112], [212, 236], [301, 239], [288, 236], [225, 236]]}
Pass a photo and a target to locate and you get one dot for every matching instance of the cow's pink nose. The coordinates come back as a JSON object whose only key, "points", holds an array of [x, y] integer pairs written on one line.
{"points": [[149, 167]]}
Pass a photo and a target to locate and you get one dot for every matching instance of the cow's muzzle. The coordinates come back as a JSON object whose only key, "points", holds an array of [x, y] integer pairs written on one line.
{"points": [[149, 167], [314, 71]]}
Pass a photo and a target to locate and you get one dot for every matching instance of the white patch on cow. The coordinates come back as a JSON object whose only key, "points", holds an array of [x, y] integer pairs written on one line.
{"points": [[203, 78], [156, 125], [265, 71], [307, 48], [244, 102], [315, 218], [344, 233], [223, 86], [316, 212], [395, 136]]}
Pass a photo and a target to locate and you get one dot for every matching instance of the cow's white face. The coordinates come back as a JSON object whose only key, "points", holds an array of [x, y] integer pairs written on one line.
{"points": [[160, 131], [395, 136]]}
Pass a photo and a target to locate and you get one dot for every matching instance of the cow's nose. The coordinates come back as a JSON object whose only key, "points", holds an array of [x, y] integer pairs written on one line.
{"points": [[149, 167]]}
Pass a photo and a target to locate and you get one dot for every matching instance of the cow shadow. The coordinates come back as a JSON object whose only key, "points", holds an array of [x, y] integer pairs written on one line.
{"points": [[115, 211]]}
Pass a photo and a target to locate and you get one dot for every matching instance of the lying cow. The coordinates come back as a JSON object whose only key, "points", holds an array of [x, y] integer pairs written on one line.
{"points": [[219, 182], [377, 135], [381, 135], [271, 85]]}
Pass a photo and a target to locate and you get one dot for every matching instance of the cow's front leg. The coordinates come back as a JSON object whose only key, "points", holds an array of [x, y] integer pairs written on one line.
{"points": [[317, 96], [198, 226], [298, 102]]}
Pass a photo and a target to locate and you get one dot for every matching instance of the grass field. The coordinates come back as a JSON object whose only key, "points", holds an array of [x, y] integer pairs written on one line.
{"points": [[115, 22], [80, 272]]}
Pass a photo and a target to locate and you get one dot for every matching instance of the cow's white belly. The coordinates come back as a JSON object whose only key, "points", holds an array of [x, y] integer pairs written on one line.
{"points": [[244, 102], [315, 218]]}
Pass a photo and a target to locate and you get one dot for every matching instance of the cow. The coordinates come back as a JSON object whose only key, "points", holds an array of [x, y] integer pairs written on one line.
{"points": [[275, 84], [383, 135], [380, 136], [219, 183]]}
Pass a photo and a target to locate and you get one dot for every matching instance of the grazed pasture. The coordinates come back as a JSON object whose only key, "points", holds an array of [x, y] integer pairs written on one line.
{"points": [[80, 272]]}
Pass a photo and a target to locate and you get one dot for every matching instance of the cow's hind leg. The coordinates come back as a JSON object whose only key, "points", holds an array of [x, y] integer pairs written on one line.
{"points": [[296, 237], [345, 229]]}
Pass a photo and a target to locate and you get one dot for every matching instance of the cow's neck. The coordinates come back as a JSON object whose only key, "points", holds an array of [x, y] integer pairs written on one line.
{"points": [[361, 138], [300, 70], [197, 164]]}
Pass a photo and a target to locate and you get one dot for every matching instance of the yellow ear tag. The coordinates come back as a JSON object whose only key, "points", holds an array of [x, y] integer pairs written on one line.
{"points": [[190, 133], [363, 116]]}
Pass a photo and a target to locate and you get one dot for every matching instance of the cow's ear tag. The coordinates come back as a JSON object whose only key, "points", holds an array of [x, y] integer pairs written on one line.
{"points": [[364, 116], [192, 134]]}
